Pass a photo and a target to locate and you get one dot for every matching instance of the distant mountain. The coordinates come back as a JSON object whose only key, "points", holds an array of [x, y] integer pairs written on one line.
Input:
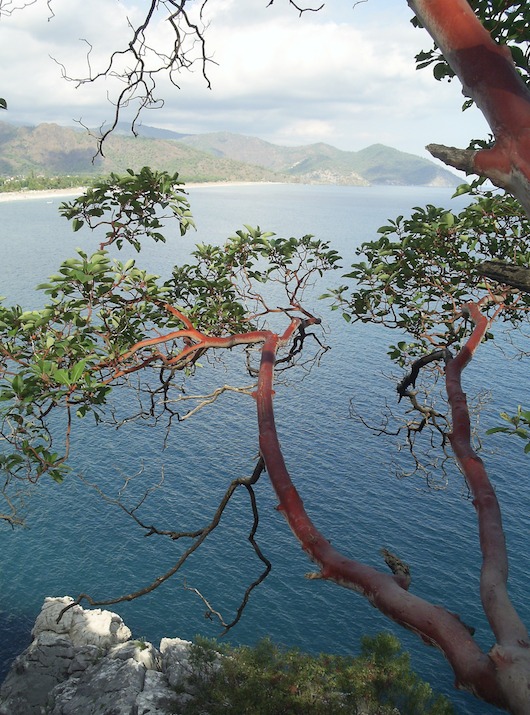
{"points": [[383, 165], [123, 129], [52, 150], [221, 156], [377, 164]]}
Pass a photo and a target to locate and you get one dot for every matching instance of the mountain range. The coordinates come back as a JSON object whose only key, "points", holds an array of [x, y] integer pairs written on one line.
{"points": [[219, 156]]}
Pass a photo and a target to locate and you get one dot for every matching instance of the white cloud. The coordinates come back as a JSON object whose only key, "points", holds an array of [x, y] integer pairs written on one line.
{"points": [[341, 76]]}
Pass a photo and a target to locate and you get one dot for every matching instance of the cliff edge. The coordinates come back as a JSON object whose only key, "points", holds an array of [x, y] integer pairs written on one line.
{"points": [[87, 664]]}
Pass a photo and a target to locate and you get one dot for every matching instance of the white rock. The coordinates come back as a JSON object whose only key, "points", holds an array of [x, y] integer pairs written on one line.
{"points": [[86, 665], [180, 672], [175, 654], [141, 652], [157, 698], [83, 627]]}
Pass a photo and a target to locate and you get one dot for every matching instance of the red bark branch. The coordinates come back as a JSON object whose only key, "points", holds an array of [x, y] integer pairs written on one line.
{"points": [[203, 342], [504, 621], [435, 625], [488, 75], [511, 654]]}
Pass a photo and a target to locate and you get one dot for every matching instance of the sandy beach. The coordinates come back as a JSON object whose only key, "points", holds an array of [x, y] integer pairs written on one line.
{"points": [[51, 194]]}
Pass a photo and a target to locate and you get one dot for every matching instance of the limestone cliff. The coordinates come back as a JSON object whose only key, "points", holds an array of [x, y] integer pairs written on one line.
{"points": [[87, 664]]}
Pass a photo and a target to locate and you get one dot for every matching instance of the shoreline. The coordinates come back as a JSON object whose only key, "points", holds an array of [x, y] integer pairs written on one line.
{"points": [[42, 194], [50, 194], [30, 194]]}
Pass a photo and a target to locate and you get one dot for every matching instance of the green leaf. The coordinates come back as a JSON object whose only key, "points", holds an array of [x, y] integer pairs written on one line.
{"points": [[62, 377], [448, 219], [78, 369], [493, 430]]}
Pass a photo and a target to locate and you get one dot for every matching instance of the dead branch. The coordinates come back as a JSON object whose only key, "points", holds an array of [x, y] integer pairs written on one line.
{"points": [[420, 432], [208, 399], [8, 7], [506, 274], [200, 535], [140, 61], [410, 379], [461, 159], [301, 10], [258, 552], [396, 565]]}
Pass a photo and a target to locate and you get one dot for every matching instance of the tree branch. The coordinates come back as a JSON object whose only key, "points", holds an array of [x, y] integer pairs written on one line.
{"points": [[488, 75], [506, 274], [435, 625], [200, 537], [504, 621], [511, 654], [461, 159]]}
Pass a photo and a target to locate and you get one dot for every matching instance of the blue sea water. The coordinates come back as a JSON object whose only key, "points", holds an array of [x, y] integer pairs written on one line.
{"points": [[76, 542]]}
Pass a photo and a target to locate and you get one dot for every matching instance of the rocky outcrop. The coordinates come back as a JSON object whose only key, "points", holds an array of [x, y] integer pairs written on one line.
{"points": [[87, 664], [333, 178]]}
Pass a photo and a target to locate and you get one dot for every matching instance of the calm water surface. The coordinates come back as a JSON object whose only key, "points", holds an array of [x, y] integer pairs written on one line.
{"points": [[77, 542]]}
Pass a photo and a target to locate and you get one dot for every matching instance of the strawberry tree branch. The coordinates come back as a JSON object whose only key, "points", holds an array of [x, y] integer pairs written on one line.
{"points": [[435, 625], [504, 621], [507, 274], [488, 76]]}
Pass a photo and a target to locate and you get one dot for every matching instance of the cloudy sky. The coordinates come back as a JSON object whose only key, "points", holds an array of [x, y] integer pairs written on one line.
{"points": [[344, 75]]}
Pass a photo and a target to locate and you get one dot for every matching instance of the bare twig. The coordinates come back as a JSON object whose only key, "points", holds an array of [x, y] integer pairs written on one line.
{"points": [[200, 535], [301, 10], [208, 399]]}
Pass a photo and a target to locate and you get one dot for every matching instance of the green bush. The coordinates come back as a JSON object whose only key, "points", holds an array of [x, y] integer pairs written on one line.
{"points": [[270, 680], [42, 183]]}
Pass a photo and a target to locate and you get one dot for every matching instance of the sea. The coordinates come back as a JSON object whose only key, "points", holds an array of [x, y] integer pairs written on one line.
{"points": [[351, 479]]}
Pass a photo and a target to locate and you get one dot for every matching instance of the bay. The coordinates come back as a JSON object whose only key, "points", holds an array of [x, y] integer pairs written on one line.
{"points": [[78, 543]]}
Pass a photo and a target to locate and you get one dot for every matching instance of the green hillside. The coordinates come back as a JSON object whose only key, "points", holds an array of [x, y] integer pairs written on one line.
{"points": [[58, 151], [52, 150], [377, 164], [383, 165]]}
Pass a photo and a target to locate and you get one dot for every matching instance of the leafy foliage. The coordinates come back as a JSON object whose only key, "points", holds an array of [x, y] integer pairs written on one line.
{"points": [[127, 206], [519, 426], [223, 290], [422, 270], [268, 679], [106, 320]]}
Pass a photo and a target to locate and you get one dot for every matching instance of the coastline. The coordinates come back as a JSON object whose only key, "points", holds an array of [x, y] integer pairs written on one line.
{"points": [[77, 190], [44, 194]]}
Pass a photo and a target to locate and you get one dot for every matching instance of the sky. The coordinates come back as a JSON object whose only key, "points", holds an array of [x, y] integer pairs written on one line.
{"points": [[344, 75]]}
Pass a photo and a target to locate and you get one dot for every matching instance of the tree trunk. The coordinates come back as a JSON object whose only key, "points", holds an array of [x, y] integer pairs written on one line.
{"points": [[489, 76]]}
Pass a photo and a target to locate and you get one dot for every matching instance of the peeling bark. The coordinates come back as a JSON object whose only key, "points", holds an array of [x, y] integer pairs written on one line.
{"points": [[489, 76]]}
